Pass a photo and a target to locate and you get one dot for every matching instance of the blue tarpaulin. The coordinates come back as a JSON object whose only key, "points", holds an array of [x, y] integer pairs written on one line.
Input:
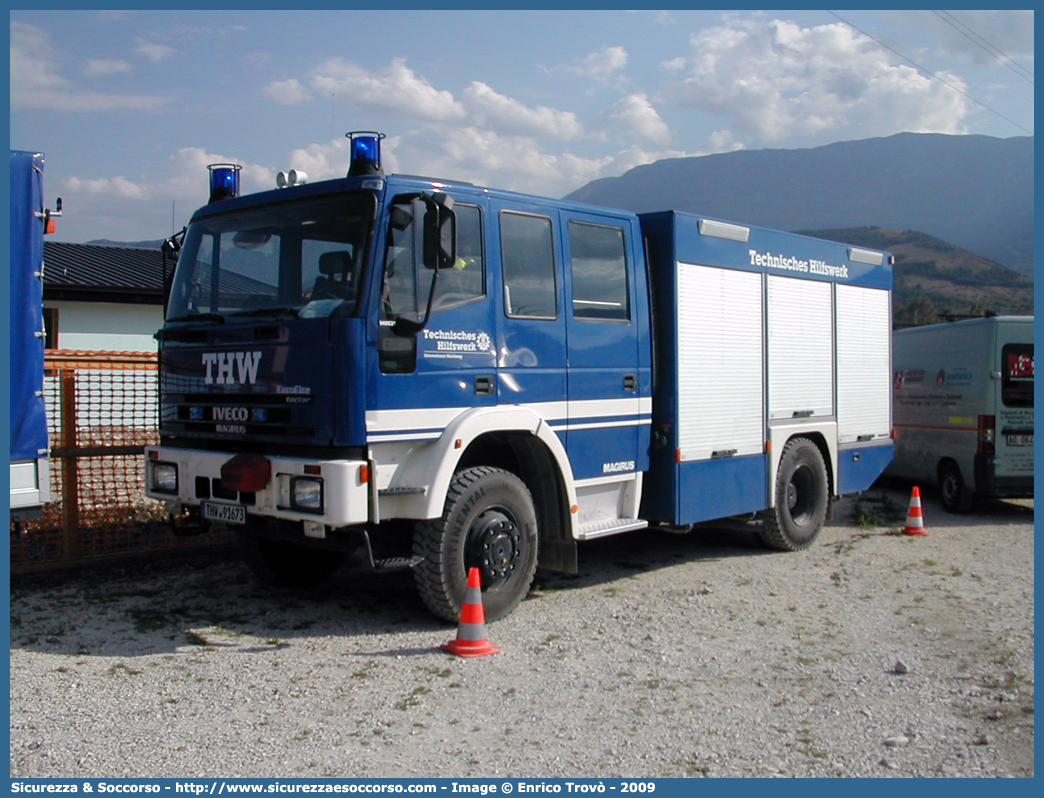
{"points": [[28, 419]]}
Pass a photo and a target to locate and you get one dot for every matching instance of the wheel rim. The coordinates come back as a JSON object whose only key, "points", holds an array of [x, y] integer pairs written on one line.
{"points": [[494, 546], [801, 495]]}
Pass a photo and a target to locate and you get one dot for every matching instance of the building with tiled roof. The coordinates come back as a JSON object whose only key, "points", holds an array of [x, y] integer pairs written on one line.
{"points": [[120, 274], [102, 297]]}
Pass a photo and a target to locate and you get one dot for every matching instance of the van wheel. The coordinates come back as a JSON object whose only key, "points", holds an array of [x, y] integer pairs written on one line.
{"points": [[489, 523], [956, 498], [281, 563], [802, 494]]}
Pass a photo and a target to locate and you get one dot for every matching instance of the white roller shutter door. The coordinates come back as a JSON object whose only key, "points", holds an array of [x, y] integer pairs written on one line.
{"points": [[864, 378], [800, 348], [720, 362]]}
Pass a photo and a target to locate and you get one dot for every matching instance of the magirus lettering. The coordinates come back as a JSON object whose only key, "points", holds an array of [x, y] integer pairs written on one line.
{"points": [[227, 368]]}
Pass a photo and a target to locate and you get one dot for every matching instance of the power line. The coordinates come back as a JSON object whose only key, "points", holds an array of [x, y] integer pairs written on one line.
{"points": [[932, 74], [983, 44]]}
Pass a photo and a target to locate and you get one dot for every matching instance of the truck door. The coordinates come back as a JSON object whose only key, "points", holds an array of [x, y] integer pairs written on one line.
{"points": [[428, 378], [531, 348], [604, 382]]}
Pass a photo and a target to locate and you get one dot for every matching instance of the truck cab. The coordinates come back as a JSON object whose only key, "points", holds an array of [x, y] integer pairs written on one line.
{"points": [[337, 354]]}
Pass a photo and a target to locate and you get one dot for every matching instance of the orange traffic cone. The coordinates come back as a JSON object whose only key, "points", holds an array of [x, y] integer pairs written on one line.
{"points": [[915, 516], [471, 633]]}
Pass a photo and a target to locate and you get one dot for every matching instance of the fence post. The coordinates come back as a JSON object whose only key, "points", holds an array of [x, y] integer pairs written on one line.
{"points": [[70, 476]]}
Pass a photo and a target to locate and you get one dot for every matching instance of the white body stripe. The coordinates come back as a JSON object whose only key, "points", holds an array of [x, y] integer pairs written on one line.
{"points": [[421, 424]]}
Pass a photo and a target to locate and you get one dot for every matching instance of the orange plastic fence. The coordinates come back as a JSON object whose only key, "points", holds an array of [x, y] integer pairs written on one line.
{"points": [[102, 410]]}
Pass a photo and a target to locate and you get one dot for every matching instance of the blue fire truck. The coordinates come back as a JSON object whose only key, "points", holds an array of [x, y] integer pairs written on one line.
{"points": [[384, 371]]}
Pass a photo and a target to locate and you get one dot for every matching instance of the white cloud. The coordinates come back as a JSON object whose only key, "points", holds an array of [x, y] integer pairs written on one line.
{"points": [[288, 92], [137, 208], [486, 157], [324, 161], [491, 109], [118, 186], [37, 82], [103, 67], [791, 85], [398, 89], [32, 62], [602, 63], [636, 114], [154, 51], [674, 65]]}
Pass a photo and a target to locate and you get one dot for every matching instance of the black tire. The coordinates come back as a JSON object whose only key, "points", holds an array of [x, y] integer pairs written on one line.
{"points": [[281, 563], [955, 495], [489, 523], [802, 497]]}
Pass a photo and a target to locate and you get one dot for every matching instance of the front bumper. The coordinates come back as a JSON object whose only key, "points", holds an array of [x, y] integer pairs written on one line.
{"points": [[346, 496]]}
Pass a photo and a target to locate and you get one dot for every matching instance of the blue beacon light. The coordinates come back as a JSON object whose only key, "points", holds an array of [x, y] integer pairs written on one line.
{"points": [[224, 180], [365, 153]]}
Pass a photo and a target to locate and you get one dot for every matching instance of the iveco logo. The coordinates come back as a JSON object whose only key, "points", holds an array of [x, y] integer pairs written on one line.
{"points": [[231, 414], [225, 368]]}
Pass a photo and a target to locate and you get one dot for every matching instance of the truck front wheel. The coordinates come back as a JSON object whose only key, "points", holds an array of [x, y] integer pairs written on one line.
{"points": [[489, 523], [802, 494]]}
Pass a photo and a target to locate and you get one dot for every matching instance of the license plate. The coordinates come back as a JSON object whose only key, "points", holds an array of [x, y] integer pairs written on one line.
{"points": [[224, 513], [1019, 440]]}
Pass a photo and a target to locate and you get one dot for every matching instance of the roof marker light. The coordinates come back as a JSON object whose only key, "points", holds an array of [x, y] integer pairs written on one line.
{"points": [[731, 232], [866, 256], [224, 180], [365, 153]]}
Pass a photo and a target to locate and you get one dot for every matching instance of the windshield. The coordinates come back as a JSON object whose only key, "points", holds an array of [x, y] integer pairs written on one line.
{"points": [[299, 259]]}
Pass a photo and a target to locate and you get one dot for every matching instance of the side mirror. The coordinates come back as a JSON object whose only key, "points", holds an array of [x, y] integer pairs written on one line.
{"points": [[439, 251], [440, 232]]}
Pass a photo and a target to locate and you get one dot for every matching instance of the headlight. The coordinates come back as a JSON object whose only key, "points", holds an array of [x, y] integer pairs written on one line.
{"points": [[165, 478], [307, 494]]}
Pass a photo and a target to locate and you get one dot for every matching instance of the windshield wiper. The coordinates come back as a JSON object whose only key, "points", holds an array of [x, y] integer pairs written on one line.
{"points": [[293, 312], [199, 317]]}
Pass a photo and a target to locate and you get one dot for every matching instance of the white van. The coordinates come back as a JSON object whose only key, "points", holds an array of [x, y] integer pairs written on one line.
{"points": [[963, 408]]}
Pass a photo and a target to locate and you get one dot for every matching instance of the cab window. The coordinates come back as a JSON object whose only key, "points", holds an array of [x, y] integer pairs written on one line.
{"points": [[527, 254], [599, 269]]}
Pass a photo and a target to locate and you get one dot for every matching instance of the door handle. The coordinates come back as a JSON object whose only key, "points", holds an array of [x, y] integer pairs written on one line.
{"points": [[631, 382], [484, 386]]}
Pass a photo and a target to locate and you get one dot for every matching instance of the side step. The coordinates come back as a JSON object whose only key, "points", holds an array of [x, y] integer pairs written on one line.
{"points": [[614, 526], [395, 563]]}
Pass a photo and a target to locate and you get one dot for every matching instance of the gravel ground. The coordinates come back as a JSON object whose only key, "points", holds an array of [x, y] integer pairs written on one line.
{"points": [[871, 654]]}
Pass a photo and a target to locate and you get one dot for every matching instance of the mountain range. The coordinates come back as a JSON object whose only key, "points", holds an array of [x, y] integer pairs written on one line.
{"points": [[972, 191], [933, 279]]}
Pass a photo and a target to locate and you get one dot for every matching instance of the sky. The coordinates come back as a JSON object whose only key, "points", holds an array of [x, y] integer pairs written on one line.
{"points": [[129, 107]]}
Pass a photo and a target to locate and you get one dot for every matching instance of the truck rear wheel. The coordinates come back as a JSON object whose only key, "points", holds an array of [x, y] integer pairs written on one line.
{"points": [[955, 495], [488, 523], [282, 563], [802, 494]]}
